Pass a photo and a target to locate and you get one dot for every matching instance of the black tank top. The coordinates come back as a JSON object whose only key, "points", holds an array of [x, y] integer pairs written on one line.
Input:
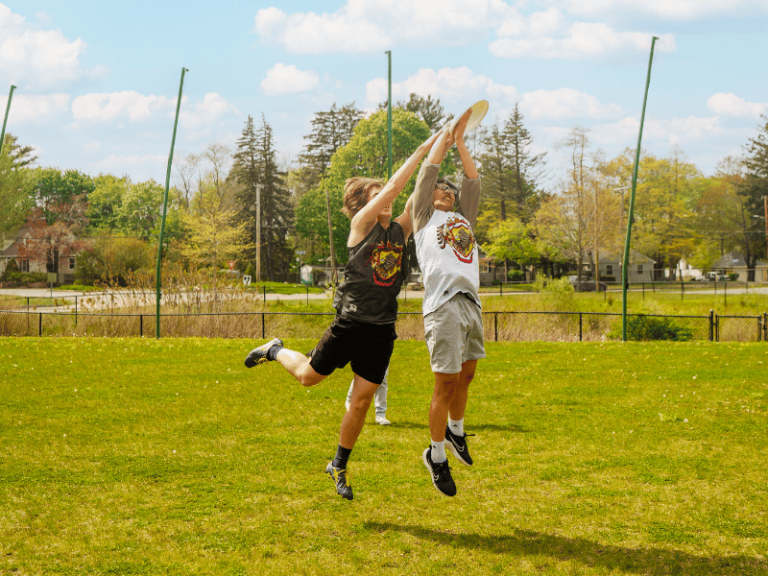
{"points": [[373, 276]]}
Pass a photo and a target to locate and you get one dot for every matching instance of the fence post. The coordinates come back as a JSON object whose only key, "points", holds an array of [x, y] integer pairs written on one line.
{"points": [[75, 310], [711, 325], [643, 291], [307, 295], [501, 293], [27, 304], [40, 324], [682, 290], [580, 326], [496, 326], [759, 327], [265, 293], [141, 325], [717, 328], [725, 293], [262, 326]]}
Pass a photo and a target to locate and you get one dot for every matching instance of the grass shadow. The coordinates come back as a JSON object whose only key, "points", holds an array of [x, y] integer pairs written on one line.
{"points": [[633, 560], [470, 429]]}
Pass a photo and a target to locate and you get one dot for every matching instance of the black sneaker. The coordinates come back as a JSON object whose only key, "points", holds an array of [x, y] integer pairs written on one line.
{"points": [[458, 445], [441, 474], [259, 355], [339, 477]]}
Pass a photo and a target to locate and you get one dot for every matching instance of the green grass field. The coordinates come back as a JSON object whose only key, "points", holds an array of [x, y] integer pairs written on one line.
{"points": [[130, 456]]}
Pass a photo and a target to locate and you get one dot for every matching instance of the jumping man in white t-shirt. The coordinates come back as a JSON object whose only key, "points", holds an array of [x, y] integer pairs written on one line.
{"points": [[453, 324]]}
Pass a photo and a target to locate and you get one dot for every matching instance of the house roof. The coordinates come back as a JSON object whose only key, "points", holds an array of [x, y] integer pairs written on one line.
{"points": [[734, 260], [635, 257]]}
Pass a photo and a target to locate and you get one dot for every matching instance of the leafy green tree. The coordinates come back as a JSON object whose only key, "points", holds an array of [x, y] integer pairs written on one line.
{"points": [[365, 155], [22, 155], [54, 191], [512, 240], [754, 188], [105, 202], [15, 200]]}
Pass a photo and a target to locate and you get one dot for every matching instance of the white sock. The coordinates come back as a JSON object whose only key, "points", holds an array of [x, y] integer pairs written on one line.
{"points": [[438, 452], [457, 426]]}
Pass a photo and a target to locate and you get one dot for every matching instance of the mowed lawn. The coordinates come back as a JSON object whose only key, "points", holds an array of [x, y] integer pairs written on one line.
{"points": [[129, 456]]}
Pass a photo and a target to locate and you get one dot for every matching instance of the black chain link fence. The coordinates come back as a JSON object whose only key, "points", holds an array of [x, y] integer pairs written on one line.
{"points": [[498, 326]]}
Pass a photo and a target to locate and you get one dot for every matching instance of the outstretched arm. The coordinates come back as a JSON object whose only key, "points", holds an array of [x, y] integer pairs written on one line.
{"points": [[419, 209], [469, 198], [364, 220]]}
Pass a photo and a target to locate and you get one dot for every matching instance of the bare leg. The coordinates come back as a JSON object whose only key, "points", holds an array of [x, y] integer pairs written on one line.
{"points": [[459, 400], [353, 421], [445, 387], [298, 365]]}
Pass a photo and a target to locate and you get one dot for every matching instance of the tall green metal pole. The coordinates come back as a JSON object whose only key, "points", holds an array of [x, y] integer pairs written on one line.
{"points": [[165, 206], [7, 110], [630, 217], [389, 114]]}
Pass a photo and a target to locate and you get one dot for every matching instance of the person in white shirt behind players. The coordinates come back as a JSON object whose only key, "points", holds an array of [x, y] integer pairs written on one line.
{"points": [[443, 218]]}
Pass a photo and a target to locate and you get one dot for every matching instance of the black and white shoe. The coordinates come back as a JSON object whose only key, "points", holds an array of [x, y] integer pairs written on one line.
{"points": [[458, 445], [259, 355], [440, 473], [339, 477]]}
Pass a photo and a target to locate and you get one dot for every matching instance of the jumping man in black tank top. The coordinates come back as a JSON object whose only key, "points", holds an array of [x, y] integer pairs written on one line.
{"points": [[363, 331]]}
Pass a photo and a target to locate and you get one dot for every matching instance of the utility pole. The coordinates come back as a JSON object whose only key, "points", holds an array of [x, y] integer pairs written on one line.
{"points": [[258, 233], [389, 114]]}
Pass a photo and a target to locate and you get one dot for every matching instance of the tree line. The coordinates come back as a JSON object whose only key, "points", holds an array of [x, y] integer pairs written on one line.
{"points": [[532, 215]]}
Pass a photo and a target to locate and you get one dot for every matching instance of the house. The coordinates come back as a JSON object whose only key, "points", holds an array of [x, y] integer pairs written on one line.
{"points": [[734, 263], [640, 267], [30, 256]]}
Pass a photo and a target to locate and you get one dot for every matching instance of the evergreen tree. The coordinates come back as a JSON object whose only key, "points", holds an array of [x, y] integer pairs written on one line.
{"points": [[330, 131], [256, 166], [430, 111], [754, 188], [22, 155]]}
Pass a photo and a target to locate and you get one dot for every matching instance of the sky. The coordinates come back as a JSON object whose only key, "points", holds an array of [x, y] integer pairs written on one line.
{"points": [[97, 80]]}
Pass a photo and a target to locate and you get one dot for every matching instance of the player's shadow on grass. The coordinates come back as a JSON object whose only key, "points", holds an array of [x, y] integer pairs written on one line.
{"points": [[633, 560], [470, 429]]}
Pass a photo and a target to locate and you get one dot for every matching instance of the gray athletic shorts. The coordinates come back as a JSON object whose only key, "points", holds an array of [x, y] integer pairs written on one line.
{"points": [[454, 334]]}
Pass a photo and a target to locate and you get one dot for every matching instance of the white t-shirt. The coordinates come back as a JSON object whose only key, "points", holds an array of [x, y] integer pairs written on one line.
{"points": [[447, 253]]}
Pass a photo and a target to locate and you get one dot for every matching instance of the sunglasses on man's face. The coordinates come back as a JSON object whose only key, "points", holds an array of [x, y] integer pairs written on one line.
{"points": [[445, 188]]}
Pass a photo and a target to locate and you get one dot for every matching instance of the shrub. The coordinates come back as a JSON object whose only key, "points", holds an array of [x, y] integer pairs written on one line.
{"points": [[11, 268], [515, 275], [647, 328], [558, 294], [733, 276], [607, 278]]}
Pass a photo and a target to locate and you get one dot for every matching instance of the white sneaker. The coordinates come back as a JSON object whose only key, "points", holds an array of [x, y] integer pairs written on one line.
{"points": [[382, 421]]}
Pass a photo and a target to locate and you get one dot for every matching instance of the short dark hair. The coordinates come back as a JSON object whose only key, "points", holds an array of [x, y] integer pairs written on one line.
{"points": [[447, 185], [356, 194]]}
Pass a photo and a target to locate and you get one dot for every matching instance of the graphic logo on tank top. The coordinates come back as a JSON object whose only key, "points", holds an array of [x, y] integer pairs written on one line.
{"points": [[386, 259], [456, 233]]}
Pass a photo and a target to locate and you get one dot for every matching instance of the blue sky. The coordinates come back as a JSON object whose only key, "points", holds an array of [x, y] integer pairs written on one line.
{"points": [[97, 79]]}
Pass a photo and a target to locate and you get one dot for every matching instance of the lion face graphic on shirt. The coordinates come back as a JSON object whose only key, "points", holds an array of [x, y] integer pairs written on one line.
{"points": [[456, 233], [386, 259]]}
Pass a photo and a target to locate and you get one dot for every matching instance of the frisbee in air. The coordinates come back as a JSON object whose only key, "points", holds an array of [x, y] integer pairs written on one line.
{"points": [[479, 110]]}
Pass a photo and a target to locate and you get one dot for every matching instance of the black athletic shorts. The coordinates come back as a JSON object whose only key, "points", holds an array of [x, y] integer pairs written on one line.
{"points": [[366, 347]]}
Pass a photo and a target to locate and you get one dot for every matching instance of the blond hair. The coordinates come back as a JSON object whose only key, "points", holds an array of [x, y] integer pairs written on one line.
{"points": [[356, 192]]}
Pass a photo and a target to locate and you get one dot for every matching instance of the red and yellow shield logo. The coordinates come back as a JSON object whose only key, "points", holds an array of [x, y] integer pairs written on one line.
{"points": [[386, 259], [458, 235]]}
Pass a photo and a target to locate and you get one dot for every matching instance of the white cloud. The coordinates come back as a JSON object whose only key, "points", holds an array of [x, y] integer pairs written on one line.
{"points": [[104, 107], [450, 85], [664, 9], [372, 25], [565, 103], [731, 105], [30, 108], [35, 58], [458, 87], [91, 146], [673, 131], [579, 40], [212, 108], [288, 79], [115, 164]]}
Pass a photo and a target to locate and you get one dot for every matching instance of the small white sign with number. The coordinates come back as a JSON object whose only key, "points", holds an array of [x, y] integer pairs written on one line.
{"points": [[246, 280]]}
